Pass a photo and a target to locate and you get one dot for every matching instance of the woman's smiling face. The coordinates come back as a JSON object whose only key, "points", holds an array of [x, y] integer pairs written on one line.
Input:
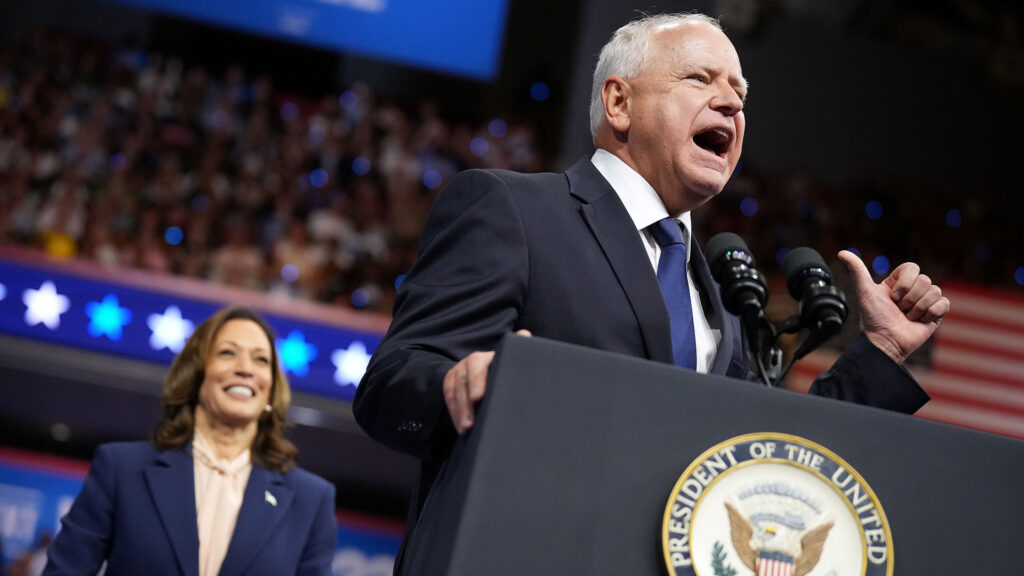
{"points": [[239, 375]]}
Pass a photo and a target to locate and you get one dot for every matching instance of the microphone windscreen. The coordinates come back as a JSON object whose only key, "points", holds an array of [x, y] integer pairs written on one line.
{"points": [[723, 247], [798, 264]]}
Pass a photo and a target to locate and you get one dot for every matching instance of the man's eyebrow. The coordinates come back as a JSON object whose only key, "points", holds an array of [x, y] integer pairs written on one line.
{"points": [[742, 83], [736, 81]]}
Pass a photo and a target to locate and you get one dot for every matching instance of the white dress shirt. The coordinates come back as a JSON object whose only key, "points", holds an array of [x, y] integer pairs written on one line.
{"points": [[646, 208]]}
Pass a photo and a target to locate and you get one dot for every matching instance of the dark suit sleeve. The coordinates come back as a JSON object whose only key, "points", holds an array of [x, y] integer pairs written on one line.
{"points": [[86, 531], [322, 542], [865, 375], [464, 292]]}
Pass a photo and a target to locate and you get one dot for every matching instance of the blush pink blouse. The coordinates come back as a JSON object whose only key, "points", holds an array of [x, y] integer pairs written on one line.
{"points": [[220, 487]]}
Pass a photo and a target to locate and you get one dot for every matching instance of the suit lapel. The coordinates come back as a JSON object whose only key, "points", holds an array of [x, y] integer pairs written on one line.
{"points": [[265, 503], [620, 242], [172, 487], [710, 289]]}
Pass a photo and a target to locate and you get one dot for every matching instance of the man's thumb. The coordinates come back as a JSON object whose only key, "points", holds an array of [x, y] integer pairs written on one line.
{"points": [[858, 270]]}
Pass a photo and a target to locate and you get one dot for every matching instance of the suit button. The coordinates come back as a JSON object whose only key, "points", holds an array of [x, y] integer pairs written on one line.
{"points": [[410, 427]]}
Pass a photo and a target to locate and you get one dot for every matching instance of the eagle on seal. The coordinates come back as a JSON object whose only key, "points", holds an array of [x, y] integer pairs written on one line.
{"points": [[754, 543]]}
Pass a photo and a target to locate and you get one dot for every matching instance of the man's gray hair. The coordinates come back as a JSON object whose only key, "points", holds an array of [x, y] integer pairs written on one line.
{"points": [[625, 55]]}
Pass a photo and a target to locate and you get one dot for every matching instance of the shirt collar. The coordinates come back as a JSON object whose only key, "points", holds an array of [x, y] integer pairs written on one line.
{"points": [[203, 453], [641, 201]]}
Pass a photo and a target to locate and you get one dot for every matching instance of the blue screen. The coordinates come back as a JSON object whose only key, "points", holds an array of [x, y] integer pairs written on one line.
{"points": [[462, 37]]}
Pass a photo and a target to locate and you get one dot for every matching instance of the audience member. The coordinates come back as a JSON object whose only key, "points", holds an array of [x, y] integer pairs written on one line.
{"points": [[217, 486]]}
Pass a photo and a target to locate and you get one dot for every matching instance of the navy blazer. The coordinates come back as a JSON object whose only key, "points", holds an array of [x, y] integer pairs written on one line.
{"points": [[559, 255], [137, 512]]}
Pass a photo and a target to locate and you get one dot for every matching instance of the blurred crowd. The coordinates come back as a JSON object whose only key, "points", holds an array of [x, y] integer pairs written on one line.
{"points": [[134, 159], [953, 234]]}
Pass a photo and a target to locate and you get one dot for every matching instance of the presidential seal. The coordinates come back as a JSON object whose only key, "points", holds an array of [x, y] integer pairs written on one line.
{"points": [[771, 504]]}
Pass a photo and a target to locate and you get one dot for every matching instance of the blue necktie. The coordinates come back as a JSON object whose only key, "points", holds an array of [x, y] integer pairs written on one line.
{"points": [[676, 290]]}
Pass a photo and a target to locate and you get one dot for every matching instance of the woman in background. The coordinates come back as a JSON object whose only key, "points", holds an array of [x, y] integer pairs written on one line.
{"points": [[217, 491]]}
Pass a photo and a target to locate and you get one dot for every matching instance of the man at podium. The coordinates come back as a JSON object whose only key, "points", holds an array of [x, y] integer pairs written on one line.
{"points": [[602, 256]]}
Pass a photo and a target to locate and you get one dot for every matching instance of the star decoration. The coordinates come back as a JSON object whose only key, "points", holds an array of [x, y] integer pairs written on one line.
{"points": [[350, 363], [107, 318], [170, 330], [45, 305], [296, 353]]}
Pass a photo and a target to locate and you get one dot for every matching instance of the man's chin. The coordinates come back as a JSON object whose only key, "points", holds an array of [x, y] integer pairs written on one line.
{"points": [[691, 197], [707, 186]]}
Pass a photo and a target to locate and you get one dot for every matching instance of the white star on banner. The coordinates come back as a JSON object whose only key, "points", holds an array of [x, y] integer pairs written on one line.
{"points": [[45, 305], [170, 330], [351, 364]]}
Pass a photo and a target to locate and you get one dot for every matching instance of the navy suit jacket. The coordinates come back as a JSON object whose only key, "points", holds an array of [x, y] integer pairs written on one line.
{"points": [[559, 255], [137, 512]]}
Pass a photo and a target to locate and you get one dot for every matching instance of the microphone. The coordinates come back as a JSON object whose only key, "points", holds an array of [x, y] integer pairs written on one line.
{"points": [[744, 293], [744, 290], [809, 280]]}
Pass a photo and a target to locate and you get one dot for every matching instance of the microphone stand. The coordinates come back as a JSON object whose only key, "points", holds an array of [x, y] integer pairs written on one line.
{"points": [[769, 358], [767, 353], [762, 336]]}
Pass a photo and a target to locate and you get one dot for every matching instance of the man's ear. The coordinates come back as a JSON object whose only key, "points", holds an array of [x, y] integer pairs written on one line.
{"points": [[615, 94]]}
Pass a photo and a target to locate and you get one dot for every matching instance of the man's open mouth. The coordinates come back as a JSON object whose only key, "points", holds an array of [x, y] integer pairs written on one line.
{"points": [[715, 140]]}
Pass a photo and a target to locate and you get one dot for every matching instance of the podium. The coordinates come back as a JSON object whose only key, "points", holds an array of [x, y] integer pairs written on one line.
{"points": [[575, 452]]}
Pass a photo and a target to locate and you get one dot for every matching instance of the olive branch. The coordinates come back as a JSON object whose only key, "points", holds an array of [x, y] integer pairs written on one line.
{"points": [[718, 563]]}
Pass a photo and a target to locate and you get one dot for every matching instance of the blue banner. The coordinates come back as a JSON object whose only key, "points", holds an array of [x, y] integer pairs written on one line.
{"points": [[45, 303], [461, 37]]}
